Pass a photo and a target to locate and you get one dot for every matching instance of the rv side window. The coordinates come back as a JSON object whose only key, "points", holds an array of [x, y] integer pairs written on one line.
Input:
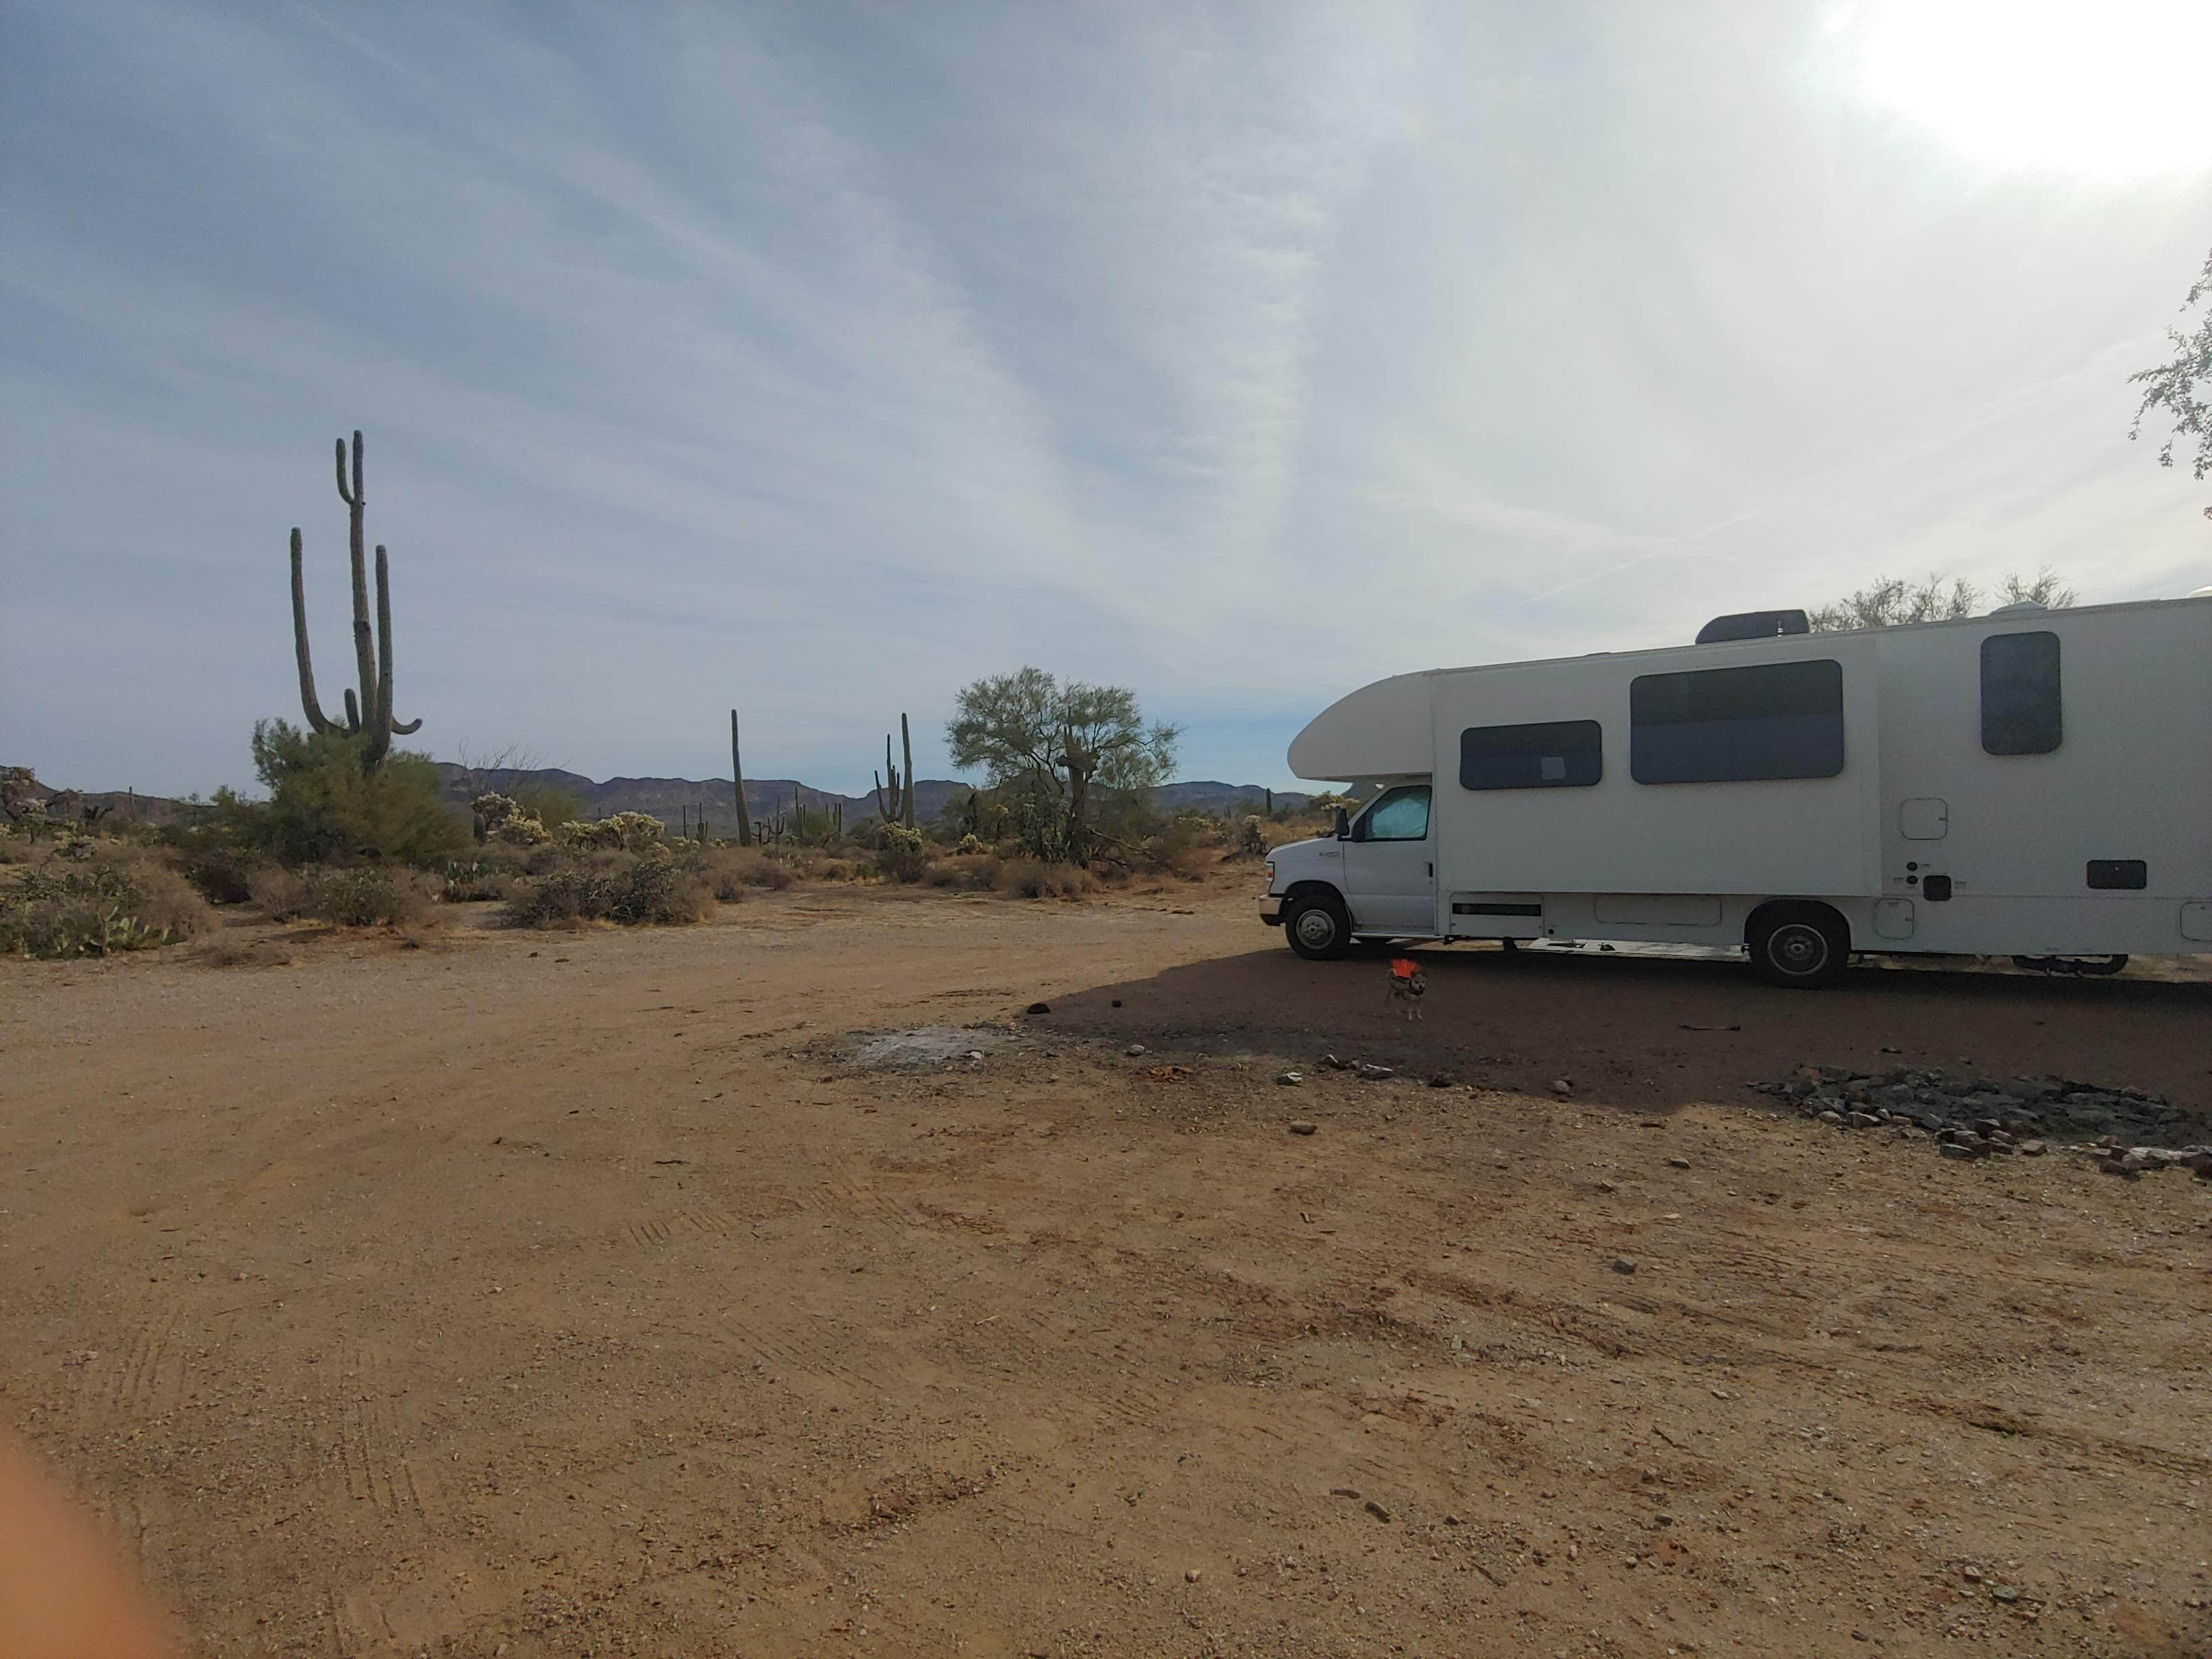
{"points": [[1401, 815], [1552, 754], [2020, 713], [1782, 719]]}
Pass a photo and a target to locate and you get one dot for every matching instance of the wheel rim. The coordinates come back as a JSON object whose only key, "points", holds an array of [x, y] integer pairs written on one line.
{"points": [[1797, 949], [1316, 929]]}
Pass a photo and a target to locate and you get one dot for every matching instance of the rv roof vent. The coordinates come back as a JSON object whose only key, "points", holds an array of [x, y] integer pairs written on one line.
{"points": [[2021, 607], [1753, 625], [2201, 593]]}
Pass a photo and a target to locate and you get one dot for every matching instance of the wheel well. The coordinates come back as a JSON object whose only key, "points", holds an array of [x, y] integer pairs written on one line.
{"points": [[1774, 912], [1309, 888]]}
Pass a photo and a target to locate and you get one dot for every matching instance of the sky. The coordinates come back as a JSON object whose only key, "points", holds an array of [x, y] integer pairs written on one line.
{"points": [[818, 359]]}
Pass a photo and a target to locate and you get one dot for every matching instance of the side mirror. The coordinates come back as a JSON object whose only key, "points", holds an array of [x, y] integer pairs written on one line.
{"points": [[1343, 825]]}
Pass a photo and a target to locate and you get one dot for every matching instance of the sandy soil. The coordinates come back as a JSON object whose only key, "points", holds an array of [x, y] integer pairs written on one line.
{"points": [[570, 1294]]}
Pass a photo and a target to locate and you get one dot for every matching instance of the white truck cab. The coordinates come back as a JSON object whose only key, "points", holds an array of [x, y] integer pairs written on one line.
{"points": [[1375, 878]]}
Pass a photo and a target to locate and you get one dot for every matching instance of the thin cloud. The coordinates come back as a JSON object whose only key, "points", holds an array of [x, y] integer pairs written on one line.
{"points": [[817, 362]]}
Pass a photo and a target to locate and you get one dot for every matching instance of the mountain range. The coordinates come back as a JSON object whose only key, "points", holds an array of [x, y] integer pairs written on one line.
{"points": [[677, 800]]}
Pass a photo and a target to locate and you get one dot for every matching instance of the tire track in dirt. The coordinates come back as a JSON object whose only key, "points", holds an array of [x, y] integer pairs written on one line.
{"points": [[369, 1444]]}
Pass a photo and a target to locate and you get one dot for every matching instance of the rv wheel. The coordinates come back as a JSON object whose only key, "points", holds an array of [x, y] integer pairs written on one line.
{"points": [[1800, 945], [1317, 927]]}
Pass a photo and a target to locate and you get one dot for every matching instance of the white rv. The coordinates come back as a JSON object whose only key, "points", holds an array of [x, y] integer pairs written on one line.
{"points": [[2031, 783]]}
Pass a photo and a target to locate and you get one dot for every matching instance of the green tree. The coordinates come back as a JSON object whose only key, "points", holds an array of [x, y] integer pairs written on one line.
{"points": [[1059, 741], [2180, 387], [323, 808], [1895, 602]]}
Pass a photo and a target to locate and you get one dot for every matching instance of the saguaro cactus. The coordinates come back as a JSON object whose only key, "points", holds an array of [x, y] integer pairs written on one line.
{"points": [[737, 785], [370, 718], [891, 803]]}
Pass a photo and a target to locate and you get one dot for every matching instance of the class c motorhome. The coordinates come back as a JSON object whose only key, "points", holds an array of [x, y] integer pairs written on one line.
{"points": [[2030, 783]]}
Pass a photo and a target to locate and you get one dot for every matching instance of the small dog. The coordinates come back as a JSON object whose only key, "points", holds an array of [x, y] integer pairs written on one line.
{"points": [[1407, 986]]}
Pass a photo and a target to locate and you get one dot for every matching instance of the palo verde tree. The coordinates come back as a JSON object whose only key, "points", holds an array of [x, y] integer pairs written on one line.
{"points": [[2183, 387], [370, 718], [1895, 602], [1057, 743]]}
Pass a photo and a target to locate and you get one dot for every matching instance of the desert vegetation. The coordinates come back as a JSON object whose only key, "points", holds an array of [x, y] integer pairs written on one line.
{"points": [[348, 831]]}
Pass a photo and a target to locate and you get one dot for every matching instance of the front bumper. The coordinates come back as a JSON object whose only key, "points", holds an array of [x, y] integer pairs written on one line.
{"points": [[1271, 909]]}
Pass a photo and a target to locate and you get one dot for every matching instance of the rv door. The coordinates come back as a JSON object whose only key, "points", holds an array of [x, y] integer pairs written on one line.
{"points": [[1390, 865]]}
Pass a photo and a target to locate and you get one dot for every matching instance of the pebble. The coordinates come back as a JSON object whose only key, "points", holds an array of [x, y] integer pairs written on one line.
{"points": [[1622, 1264], [1678, 1163], [1562, 1086], [2004, 1592], [1300, 1126], [1606, 1187], [1375, 1073], [1038, 1008], [1133, 1050], [1190, 1575], [1377, 1509], [1291, 1080]]}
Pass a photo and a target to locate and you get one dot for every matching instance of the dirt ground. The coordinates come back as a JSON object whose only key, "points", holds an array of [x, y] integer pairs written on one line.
{"points": [[562, 1294]]}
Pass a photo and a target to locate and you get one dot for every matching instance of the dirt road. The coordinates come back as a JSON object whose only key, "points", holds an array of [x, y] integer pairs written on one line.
{"points": [[552, 1294]]}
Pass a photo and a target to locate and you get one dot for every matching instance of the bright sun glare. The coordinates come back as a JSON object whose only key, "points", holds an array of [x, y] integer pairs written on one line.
{"points": [[2105, 87]]}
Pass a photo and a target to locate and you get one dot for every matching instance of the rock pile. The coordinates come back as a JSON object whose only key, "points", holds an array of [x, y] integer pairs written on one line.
{"points": [[2131, 1131]]}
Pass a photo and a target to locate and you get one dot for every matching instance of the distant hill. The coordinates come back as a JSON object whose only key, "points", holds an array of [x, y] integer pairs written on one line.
{"points": [[672, 800]]}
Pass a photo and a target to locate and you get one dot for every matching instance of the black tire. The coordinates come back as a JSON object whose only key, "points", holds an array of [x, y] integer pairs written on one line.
{"points": [[1317, 927], [1799, 946]]}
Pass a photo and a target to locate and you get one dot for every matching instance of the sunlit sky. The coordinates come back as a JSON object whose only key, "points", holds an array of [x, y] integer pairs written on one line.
{"points": [[817, 359]]}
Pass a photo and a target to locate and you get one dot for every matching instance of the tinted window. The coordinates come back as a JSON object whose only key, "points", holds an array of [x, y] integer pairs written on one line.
{"points": [[1401, 815], [2019, 694], [1782, 719], [1556, 754]]}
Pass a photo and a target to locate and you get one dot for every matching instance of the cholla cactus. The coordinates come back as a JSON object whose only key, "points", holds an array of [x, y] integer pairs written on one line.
{"points": [[499, 818], [578, 834], [1252, 839], [633, 832], [970, 842]]}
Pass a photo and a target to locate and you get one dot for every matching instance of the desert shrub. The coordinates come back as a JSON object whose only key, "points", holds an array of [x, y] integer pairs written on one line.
{"points": [[899, 853], [203, 848], [1182, 848], [354, 895], [737, 868], [632, 888], [1034, 879], [322, 809], [1251, 839], [98, 906], [477, 880], [978, 873], [491, 873]]}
